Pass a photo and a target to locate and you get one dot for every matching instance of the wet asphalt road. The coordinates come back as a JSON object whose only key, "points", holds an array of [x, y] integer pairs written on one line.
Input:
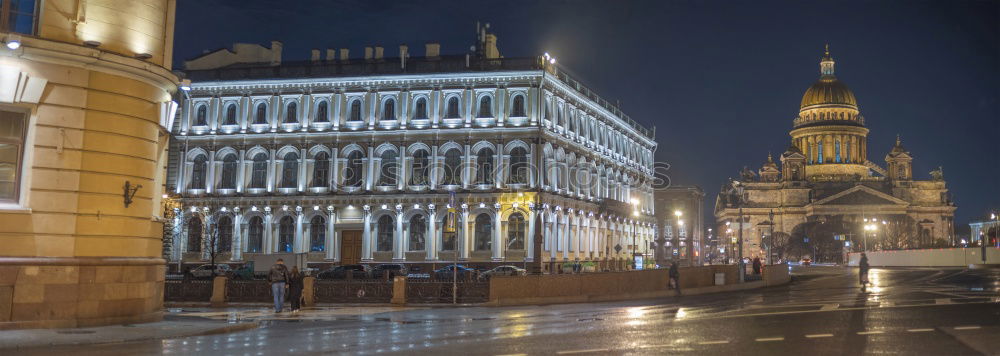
{"points": [[823, 312]]}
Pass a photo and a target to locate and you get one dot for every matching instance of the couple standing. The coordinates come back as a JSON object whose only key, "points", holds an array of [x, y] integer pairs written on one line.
{"points": [[284, 281]]}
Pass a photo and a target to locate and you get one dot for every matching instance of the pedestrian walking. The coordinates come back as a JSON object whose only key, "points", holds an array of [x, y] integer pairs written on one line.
{"points": [[863, 268], [295, 285], [756, 266], [278, 276], [675, 277]]}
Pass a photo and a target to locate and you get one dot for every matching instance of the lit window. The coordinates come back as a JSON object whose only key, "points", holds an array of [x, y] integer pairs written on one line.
{"points": [[12, 132]]}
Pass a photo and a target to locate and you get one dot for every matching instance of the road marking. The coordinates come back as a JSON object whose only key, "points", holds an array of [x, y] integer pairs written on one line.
{"points": [[830, 306], [813, 336], [943, 301], [919, 330], [716, 342], [969, 327], [766, 339], [567, 352], [871, 332]]}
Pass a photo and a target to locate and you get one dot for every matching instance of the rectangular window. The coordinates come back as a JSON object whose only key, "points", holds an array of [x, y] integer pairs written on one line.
{"points": [[13, 125], [19, 16]]}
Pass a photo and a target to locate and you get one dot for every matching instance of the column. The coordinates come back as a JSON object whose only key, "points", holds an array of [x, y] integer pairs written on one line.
{"points": [[551, 237], [498, 240], [298, 244], [498, 164], [431, 241], [181, 182], [465, 242], [271, 171], [370, 168], [268, 244], [366, 236], [302, 181], [237, 247], [433, 172], [332, 241], [398, 243], [401, 166], [241, 170], [530, 235], [469, 173], [210, 172]]}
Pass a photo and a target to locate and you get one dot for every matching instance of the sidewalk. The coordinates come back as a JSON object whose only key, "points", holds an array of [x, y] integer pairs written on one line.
{"points": [[172, 326]]}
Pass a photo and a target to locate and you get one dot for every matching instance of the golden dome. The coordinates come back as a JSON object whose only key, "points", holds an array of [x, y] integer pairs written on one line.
{"points": [[828, 90]]}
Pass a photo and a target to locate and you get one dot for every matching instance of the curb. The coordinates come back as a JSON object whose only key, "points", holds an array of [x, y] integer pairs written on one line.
{"points": [[231, 328]]}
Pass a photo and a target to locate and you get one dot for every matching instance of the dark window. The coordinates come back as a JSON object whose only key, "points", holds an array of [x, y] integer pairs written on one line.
{"points": [[194, 235], [518, 166], [452, 108], [355, 111], [286, 234], [255, 237], [258, 175], [12, 136], [317, 234], [230, 115], [355, 169], [421, 163], [420, 111], [418, 227], [389, 168], [228, 180], [484, 166], [321, 170], [389, 109], [291, 113], [201, 118], [483, 232], [322, 112], [518, 107], [224, 241], [452, 167], [385, 230], [198, 171], [485, 107], [18, 16], [515, 232], [261, 117], [290, 170], [449, 238]]}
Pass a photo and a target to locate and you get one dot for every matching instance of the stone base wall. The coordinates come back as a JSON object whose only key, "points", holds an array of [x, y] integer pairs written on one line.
{"points": [[79, 292]]}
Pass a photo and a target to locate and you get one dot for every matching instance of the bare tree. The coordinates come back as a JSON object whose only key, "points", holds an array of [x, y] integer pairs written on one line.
{"points": [[898, 232]]}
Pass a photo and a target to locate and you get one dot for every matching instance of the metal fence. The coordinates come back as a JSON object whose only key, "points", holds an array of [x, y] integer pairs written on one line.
{"points": [[248, 291], [439, 291], [187, 291], [353, 291]]}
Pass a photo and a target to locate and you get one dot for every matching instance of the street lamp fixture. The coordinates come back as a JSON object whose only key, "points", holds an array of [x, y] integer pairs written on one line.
{"points": [[678, 213]]}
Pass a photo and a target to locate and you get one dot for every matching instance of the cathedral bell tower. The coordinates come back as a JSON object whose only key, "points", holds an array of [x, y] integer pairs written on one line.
{"points": [[900, 162]]}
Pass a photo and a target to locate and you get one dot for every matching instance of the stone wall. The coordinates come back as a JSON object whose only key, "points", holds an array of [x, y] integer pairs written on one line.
{"points": [[936, 257]]}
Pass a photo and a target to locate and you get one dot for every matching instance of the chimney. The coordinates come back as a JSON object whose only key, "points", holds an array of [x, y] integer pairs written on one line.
{"points": [[314, 55], [275, 53], [404, 52], [432, 50], [344, 55], [378, 53], [331, 55], [368, 53]]}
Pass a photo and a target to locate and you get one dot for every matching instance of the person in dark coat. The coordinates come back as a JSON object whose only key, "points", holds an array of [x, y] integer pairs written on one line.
{"points": [[675, 277], [863, 268], [277, 276], [295, 285], [756, 266]]}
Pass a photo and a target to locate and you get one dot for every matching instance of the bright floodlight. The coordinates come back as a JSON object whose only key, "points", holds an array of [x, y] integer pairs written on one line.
{"points": [[185, 84], [993, 216], [13, 44], [680, 222], [678, 213], [552, 61]]}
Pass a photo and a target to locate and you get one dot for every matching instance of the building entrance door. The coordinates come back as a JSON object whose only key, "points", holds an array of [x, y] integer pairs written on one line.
{"points": [[350, 247]]}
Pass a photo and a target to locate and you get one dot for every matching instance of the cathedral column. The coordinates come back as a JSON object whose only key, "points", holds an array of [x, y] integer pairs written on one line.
{"points": [[530, 235], [466, 237], [366, 235], [431, 241], [237, 239], [398, 243], [332, 243]]}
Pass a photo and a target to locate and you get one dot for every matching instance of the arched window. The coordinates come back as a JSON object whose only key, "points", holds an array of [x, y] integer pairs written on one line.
{"points": [[228, 180], [255, 235], [517, 109], [518, 166], [418, 229], [230, 115], [389, 109], [421, 163], [321, 169], [261, 117], [355, 169], [385, 229], [224, 241], [389, 168], [322, 112], [420, 109], [198, 171], [515, 232], [355, 110], [452, 112], [485, 106], [837, 151], [291, 113], [286, 234], [258, 173], [483, 232], [194, 235], [484, 166], [317, 234], [201, 118], [290, 170], [819, 153], [452, 167]]}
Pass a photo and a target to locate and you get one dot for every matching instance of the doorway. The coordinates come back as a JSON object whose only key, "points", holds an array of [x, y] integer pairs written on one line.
{"points": [[350, 247]]}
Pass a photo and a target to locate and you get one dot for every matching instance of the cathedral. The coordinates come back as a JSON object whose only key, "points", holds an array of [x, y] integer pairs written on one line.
{"points": [[826, 198]]}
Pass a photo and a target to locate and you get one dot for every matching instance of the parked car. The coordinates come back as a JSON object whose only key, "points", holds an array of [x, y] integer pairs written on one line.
{"points": [[341, 272], [390, 269], [459, 270], [806, 262], [205, 271], [506, 270]]}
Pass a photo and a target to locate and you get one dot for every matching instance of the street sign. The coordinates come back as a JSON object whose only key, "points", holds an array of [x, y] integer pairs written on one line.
{"points": [[618, 248]]}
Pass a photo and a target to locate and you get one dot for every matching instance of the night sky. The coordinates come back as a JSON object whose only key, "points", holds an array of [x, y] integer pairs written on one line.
{"points": [[720, 83]]}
